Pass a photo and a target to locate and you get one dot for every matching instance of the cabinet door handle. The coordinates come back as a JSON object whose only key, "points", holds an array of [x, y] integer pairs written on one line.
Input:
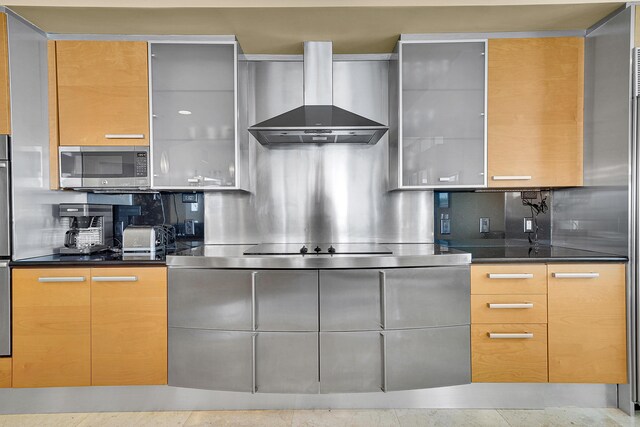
{"points": [[446, 179], [384, 362], [124, 136], [193, 180], [3, 165], [383, 300], [254, 386], [511, 305], [511, 177], [254, 325], [4, 264], [510, 276], [510, 336], [576, 275], [61, 279], [115, 278]]}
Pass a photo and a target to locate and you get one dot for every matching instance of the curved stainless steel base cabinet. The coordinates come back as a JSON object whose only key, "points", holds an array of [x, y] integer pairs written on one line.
{"points": [[310, 331]]}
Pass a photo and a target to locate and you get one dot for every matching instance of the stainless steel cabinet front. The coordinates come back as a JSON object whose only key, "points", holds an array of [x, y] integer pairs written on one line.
{"points": [[350, 300], [351, 362], [426, 297], [286, 362], [214, 360], [210, 299], [286, 300], [424, 358]]}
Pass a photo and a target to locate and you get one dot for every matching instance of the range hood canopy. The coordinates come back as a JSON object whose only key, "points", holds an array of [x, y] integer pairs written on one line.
{"points": [[318, 120]]}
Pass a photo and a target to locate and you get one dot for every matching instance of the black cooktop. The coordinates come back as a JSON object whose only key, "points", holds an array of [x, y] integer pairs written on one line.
{"points": [[318, 249]]}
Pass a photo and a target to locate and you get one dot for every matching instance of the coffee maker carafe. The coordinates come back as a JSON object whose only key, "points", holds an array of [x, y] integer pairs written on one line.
{"points": [[90, 228]]}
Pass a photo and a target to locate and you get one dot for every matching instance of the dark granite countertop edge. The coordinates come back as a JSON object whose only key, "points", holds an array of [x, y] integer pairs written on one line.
{"points": [[53, 263], [554, 260]]}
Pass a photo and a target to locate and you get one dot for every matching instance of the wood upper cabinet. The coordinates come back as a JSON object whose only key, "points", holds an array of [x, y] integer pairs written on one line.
{"points": [[128, 326], [102, 93], [5, 115], [587, 323], [535, 112], [51, 327]]}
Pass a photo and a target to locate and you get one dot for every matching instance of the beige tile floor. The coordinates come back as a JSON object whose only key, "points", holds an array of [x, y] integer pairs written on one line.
{"points": [[337, 418]]}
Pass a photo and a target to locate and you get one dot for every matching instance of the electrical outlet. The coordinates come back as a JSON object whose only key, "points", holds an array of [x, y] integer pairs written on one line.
{"points": [[189, 227], [189, 198], [445, 224], [484, 225], [528, 225]]}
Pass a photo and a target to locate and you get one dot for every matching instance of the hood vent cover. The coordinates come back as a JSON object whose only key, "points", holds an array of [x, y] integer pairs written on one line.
{"points": [[318, 121]]}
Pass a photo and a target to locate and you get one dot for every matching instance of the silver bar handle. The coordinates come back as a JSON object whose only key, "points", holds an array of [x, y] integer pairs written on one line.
{"points": [[3, 164], [510, 336], [511, 177], [61, 279], [511, 305], [446, 179], [510, 275], [254, 386], [384, 362], [383, 300], [115, 278], [124, 136], [4, 264], [576, 275], [254, 275], [193, 180]]}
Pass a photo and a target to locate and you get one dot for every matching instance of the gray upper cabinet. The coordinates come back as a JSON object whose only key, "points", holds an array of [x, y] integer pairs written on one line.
{"points": [[438, 139], [195, 99]]}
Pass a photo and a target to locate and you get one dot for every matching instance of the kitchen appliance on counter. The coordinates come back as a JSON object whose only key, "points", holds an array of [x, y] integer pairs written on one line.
{"points": [[147, 239], [5, 248], [104, 168], [90, 228]]}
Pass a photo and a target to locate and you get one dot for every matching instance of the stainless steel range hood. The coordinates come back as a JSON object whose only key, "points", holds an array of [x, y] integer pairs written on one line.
{"points": [[318, 120]]}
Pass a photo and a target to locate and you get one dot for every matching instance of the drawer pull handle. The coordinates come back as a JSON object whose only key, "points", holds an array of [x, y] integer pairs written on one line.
{"points": [[446, 179], [254, 276], [511, 305], [510, 276], [383, 299], [61, 279], [510, 336], [576, 275], [511, 177], [124, 136], [115, 278]]}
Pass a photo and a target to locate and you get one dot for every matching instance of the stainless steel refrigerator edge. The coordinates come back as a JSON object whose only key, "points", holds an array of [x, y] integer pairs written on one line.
{"points": [[5, 248], [602, 215], [319, 192], [33, 204]]}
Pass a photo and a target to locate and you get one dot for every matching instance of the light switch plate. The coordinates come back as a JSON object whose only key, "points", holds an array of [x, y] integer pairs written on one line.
{"points": [[528, 225], [484, 225]]}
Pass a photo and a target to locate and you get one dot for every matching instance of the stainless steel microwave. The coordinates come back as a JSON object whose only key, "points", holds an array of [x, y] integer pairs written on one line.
{"points": [[93, 167]]}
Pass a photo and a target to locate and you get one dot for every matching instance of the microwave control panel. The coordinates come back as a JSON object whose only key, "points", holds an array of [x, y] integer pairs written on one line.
{"points": [[141, 164]]}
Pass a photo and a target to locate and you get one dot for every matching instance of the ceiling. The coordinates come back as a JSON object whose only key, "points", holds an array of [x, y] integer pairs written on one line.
{"points": [[364, 26]]}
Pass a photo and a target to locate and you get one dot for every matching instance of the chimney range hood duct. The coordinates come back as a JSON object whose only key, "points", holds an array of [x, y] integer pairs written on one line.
{"points": [[318, 120]]}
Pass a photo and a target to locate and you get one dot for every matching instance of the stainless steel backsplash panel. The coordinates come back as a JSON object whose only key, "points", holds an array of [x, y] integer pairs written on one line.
{"points": [[334, 193], [34, 221]]}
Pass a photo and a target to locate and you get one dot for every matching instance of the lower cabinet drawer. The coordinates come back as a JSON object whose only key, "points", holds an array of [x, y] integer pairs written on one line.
{"points": [[509, 353], [508, 309]]}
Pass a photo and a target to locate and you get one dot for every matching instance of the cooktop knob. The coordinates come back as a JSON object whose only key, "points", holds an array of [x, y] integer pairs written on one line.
{"points": [[332, 250], [304, 250], [317, 249]]}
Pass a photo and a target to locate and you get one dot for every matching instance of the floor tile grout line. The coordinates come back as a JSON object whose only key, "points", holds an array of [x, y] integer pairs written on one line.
{"points": [[395, 414], [499, 411]]}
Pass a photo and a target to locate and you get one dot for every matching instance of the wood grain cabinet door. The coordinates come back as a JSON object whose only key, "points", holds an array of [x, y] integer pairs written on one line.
{"points": [[535, 112], [587, 318], [51, 327], [128, 326], [103, 92], [5, 115]]}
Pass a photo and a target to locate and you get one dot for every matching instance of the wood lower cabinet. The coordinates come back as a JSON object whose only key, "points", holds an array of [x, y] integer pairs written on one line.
{"points": [[5, 372], [535, 112], [51, 327], [128, 326], [587, 323], [102, 92], [82, 326], [509, 353]]}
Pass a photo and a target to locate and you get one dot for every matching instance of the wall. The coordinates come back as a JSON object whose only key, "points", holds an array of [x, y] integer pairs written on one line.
{"points": [[34, 218], [596, 217], [323, 193]]}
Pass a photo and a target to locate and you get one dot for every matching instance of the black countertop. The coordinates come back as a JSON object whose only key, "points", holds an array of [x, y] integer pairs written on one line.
{"points": [[542, 254]]}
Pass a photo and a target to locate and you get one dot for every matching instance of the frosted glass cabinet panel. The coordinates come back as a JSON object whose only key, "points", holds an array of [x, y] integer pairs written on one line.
{"points": [[194, 104], [441, 137]]}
